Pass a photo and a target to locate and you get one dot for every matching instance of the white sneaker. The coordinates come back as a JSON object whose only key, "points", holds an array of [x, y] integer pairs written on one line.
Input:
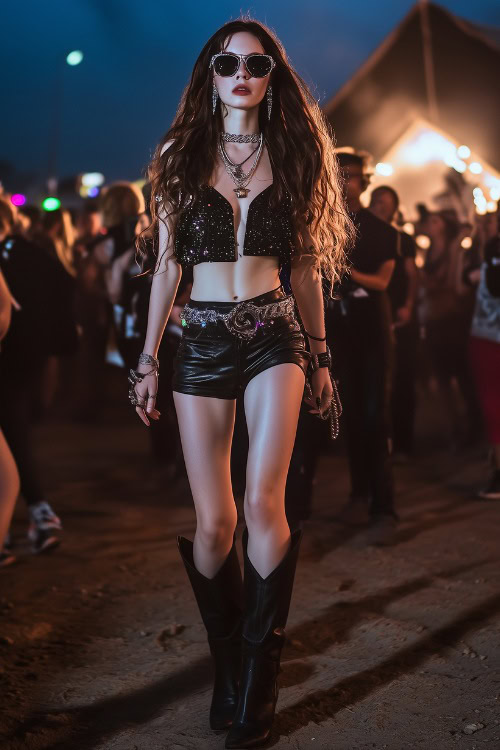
{"points": [[43, 524]]}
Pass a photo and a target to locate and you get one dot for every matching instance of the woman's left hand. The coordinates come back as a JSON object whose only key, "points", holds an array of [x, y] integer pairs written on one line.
{"points": [[322, 391]]}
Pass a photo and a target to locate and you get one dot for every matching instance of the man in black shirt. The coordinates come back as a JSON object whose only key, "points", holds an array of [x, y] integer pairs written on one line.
{"points": [[360, 334], [402, 290]]}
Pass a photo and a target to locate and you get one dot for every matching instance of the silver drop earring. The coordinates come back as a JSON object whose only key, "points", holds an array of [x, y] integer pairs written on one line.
{"points": [[269, 101], [215, 96]]}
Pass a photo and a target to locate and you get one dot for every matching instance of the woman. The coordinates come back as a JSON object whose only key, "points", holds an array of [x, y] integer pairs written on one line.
{"points": [[244, 185], [57, 237], [120, 206]]}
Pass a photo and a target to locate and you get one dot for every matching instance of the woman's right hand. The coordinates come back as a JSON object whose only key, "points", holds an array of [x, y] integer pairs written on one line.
{"points": [[146, 392]]}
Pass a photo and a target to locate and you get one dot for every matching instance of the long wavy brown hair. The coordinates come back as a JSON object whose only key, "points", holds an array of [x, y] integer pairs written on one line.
{"points": [[300, 144]]}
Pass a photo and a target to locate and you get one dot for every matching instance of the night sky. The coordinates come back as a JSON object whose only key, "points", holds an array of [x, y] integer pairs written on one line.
{"points": [[138, 56]]}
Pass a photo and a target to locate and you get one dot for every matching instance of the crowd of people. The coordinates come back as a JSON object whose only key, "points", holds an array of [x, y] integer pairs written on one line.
{"points": [[73, 299]]}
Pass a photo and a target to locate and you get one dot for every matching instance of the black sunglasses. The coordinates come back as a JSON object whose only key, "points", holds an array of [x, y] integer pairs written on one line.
{"points": [[227, 63]]}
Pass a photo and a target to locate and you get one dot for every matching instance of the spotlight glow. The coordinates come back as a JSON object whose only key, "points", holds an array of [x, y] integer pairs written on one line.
{"points": [[18, 199]]}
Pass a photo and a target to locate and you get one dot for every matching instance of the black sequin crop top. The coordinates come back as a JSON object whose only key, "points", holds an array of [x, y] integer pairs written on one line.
{"points": [[205, 231]]}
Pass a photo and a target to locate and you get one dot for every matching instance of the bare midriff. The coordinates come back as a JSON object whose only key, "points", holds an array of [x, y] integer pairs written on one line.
{"points": [[247, 277]]}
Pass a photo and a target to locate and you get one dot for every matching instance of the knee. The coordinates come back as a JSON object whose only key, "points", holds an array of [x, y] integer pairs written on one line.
{"points": [[262, 505], [216, 533]]}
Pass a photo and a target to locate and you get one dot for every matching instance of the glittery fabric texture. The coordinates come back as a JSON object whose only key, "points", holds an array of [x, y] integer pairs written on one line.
{"points": [[205, 232]]}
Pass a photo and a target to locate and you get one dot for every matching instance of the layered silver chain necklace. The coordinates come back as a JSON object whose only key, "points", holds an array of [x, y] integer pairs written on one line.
{"points": [[234, 170]]}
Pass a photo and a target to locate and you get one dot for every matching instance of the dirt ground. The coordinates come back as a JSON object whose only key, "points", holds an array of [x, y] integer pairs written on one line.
{"points": [[101, 645]]}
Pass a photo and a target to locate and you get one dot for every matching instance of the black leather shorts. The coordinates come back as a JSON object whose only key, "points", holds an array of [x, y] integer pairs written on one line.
{"points": [[214, 361]]}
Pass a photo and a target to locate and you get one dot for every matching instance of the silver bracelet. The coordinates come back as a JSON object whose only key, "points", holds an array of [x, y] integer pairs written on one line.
{"points": [[148, 359]]}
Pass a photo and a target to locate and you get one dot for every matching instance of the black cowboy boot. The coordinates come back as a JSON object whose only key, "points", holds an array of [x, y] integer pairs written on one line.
{"points": [[220, 603], [267, 601]]}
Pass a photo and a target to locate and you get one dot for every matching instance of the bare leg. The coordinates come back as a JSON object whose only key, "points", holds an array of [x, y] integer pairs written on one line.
{"points": [[272, 404], [206, 430], [9, 487]]}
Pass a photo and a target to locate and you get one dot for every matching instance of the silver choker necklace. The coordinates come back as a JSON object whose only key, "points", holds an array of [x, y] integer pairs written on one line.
{"points": [[234, 138]]}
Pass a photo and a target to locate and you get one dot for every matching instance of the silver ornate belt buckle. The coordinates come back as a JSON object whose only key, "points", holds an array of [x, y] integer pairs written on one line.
{"points": [[244, 320]]}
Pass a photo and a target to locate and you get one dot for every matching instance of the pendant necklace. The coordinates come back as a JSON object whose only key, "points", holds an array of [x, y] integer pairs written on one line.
{"points": [[238, 176]]}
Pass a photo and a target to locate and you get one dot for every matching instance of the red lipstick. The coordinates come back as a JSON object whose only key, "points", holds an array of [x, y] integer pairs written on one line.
{"points": [[242, 90]]}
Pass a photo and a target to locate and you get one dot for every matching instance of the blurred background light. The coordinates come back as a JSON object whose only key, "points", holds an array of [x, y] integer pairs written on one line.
{"points": [[459, 165], [92, 179], [51, 204], [463, 152], [75, 57], [475, 167], [423, 241], [18, 199], [466, 243], [384, 169]]}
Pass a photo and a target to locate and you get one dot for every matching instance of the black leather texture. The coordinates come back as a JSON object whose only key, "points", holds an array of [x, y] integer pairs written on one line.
{"points": [[212, 361]]}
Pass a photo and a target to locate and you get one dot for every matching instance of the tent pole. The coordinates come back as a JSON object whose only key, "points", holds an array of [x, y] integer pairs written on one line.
{"points": [[430, 81]]}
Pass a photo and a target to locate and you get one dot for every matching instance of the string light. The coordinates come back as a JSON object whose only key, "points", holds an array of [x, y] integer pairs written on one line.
{"points": [[423, 241]]}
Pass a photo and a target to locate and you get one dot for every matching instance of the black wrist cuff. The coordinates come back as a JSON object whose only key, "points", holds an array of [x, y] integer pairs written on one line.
{"points": [[323, 359]]}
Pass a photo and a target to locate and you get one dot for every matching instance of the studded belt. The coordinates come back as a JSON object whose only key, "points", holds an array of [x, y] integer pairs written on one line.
{"points": [[245, 318]]}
